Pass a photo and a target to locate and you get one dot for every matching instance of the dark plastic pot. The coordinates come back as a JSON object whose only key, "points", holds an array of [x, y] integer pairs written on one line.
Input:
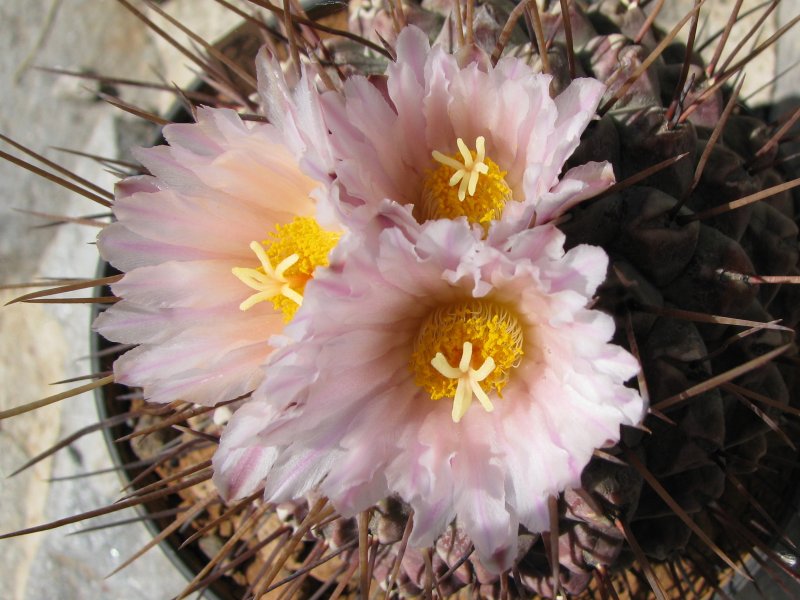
{"points": [[241, 46]]}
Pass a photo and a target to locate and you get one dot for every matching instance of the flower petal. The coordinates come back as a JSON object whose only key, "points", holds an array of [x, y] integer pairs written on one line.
{"points": [[577, 184]]}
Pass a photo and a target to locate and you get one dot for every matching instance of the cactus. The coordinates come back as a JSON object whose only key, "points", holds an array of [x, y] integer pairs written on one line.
{"points": [[701, 231]]}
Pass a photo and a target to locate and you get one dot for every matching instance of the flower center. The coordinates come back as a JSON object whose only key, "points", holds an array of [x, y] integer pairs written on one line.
{"points": [[288, 258], [466, 350], [465, 184]]}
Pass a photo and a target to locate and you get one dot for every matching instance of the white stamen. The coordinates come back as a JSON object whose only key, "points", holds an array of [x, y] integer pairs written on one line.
{"points": [[466, 175], [468, 380], [272, 282]]}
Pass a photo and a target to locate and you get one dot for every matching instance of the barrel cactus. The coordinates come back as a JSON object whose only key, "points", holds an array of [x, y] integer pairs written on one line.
{"points": [[690, 277], [700, 230]]}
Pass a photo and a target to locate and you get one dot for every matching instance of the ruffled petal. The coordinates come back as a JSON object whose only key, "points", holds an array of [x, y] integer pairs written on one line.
{"points": [[577, 185], [351, 422], [385, 149], [127, 250], [240, 463], [298, 115], [198, 284], [221, 184], [576, 107], [177, 371], [481, 499]]}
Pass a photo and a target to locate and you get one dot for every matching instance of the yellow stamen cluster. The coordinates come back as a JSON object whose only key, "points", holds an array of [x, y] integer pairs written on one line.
{"points": [[466, 350], [296, 249], [466, 184]]}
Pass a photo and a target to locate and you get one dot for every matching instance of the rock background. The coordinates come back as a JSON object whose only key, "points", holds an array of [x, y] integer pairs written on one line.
{"points": [[46, 343]]}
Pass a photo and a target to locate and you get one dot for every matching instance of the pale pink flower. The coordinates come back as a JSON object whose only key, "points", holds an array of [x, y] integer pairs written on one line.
{"points": [[218, 189], [347, 410], [434, 112]]}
